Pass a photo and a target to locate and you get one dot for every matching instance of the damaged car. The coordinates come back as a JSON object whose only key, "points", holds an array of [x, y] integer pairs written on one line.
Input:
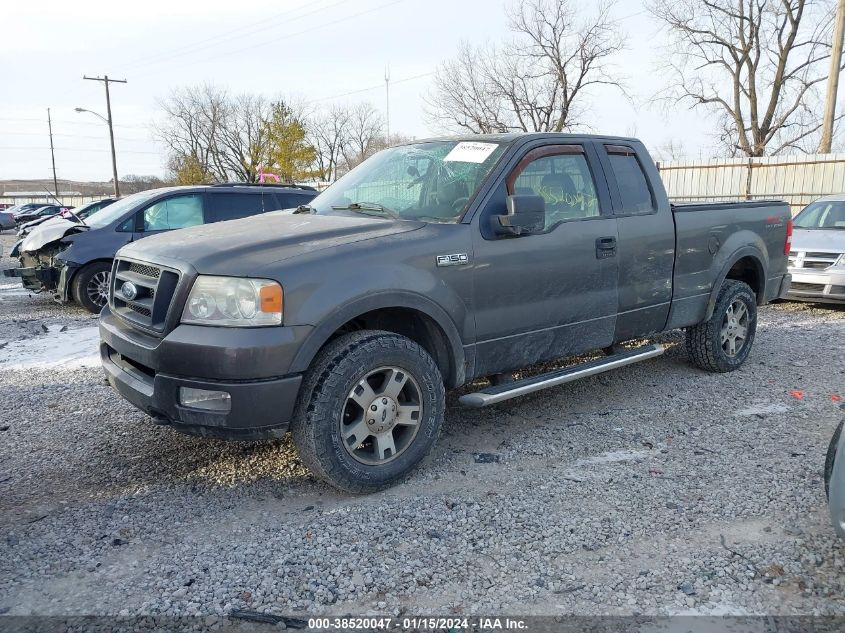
{"points": [[73, 260], [76, 214]]}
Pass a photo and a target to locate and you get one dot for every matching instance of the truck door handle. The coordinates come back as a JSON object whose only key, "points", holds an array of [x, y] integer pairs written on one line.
{"points": [[605, 247]]}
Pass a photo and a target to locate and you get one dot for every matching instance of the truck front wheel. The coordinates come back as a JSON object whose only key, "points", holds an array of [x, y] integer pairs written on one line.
{"points": [[369, 410], [723, 342]]}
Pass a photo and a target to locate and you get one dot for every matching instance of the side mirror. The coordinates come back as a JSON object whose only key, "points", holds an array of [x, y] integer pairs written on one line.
{"points": [[526, 214]]}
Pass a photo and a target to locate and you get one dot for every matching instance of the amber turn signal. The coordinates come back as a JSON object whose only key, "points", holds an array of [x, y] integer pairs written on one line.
{"points": [[271, 298]]}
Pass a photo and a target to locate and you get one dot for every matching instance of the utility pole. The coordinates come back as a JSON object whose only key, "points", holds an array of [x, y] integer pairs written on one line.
{"points": [[52, 154], [105, 79], [833, 79], [387, 95]]}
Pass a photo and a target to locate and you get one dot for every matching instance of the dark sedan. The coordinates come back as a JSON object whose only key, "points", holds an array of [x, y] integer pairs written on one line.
{"points": [[43, 211]]}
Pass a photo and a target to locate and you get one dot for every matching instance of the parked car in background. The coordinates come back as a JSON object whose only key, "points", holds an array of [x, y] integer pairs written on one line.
{"points": [[834, 479], [430, 265], [24, 208], [73, 215], [73, 260], [43, 211], [817, 258], [7, 221]]}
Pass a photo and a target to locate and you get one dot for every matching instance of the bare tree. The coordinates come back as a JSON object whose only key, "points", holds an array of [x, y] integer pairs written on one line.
{"points": [[537, 82], [190, 126], [213, 135], [755, 63], [327, 131], [364, 134]]}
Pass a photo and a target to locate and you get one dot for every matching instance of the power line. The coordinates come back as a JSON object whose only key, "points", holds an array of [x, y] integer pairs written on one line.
{"points": [[71, 149], [70, 122], [265, 24], [370, 88], [118, 138], [280, 39]]}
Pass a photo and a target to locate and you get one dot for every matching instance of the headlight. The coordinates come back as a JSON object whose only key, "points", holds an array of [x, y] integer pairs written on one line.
{"points": [[234, 302]]}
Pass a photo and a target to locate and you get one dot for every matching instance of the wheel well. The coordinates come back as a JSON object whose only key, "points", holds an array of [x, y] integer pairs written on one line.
{"points": [[75, 274], [413, 324], [749, 270]]}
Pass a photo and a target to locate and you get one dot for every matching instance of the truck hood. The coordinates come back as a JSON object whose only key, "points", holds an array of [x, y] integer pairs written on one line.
{"points": [[819, 240], [243, 247], [50, 231]]}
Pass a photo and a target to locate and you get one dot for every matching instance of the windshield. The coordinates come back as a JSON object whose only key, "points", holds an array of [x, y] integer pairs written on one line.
{"points": [[823, 214], [424, 181], [116, 210]]}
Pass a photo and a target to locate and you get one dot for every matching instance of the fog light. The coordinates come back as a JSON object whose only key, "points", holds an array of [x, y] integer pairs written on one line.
{"points": [[205, 399]]}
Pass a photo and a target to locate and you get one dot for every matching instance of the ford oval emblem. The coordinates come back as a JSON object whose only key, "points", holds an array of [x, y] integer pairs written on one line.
{"points": [[129, 290]]}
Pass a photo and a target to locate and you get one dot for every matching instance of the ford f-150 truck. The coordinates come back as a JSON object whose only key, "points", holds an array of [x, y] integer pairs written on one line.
{"points": [[431, 265]]}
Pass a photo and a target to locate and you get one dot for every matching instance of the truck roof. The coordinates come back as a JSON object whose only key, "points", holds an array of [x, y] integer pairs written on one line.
{"points": [[510, 137]]}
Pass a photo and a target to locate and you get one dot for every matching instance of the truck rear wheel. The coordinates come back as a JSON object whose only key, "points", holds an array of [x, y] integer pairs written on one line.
{"points": [[369, 410], [723, 342]]}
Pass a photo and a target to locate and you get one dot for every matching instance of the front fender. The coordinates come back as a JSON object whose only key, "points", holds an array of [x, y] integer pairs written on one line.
{"points": [[384, 299]]}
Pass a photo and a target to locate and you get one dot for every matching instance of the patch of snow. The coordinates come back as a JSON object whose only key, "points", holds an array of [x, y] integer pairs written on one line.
{"points": [[612, 457], [66, 350], [761, 409], [711, 609]]}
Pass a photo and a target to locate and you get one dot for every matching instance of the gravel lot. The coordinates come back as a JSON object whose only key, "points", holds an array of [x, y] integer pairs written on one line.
{"points": [[655, 489]]}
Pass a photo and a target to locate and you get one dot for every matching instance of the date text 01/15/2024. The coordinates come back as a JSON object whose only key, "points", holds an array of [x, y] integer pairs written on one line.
{"points": [[417, 623]]}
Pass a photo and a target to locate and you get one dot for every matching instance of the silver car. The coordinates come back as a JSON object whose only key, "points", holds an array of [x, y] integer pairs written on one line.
{"points": [[834, 479], [817, 258]]}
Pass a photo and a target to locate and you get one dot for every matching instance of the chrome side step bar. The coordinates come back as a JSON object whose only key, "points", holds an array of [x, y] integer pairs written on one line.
{"points": [[506, 391]]}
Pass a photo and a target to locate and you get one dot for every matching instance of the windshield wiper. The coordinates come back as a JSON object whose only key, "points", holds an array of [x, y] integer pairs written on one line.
{"points": [[304, 208], [368, 208]]}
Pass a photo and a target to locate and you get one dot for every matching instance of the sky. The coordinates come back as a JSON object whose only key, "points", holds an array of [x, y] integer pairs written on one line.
{"points": [[318, 51]]}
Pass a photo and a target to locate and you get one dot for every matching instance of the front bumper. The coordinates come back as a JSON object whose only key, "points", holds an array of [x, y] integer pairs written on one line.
{"points": [[37, 278], [45, 279], [148, 372], [823, 286]]}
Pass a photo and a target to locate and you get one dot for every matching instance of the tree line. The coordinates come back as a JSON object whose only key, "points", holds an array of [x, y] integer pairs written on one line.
{"points": [[758, 66]]}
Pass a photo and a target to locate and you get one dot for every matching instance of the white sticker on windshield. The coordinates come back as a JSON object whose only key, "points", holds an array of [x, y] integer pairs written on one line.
{"points": [[470, 152]]}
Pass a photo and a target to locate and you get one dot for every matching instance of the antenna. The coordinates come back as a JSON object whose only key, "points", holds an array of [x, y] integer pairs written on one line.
{"points": [[387, 97]]}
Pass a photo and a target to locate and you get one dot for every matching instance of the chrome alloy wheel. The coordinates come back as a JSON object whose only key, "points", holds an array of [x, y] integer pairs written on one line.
{"points": [[381, 415], [734, 328], [98, 288]]}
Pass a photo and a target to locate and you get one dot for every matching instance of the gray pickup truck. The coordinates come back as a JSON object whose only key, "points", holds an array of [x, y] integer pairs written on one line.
{"points": [[429, 266]]}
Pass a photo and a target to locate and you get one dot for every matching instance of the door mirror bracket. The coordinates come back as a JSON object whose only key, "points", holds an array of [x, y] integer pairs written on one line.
{"points": [[526, 215]]}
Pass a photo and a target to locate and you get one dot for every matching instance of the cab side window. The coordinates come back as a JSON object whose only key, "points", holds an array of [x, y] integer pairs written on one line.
{"points": [[565, 183], [633, 186], [176, 212]]}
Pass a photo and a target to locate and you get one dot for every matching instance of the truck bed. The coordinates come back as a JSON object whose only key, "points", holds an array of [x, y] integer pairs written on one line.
{"points": [[707, 234]]}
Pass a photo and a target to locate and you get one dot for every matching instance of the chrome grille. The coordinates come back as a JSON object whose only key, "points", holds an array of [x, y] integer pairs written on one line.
{"points": [[154, 287], [147, 271], [798, 286], [812, 259]]}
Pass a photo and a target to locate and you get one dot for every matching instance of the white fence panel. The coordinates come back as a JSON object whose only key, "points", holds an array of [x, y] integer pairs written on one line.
{"points": [[797, 179]]}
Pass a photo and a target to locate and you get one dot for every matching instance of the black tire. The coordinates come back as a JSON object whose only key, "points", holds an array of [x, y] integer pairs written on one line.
{"points": [[704, 341], [831, 458], [323, 410], [83, 284]]}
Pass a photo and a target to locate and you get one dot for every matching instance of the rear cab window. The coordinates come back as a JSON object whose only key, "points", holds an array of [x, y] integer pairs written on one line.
{"points": [[635, 191]]}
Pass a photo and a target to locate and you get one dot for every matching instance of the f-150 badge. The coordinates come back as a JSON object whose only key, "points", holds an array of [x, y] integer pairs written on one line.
{"points": [[457, 259]]}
